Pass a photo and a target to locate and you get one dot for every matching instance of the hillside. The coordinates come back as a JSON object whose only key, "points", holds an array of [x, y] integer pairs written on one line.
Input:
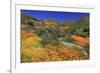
{"points": [[54, 40]]}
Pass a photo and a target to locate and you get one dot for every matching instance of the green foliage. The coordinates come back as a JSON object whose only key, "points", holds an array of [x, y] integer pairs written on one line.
{"points": [[46, 41]]}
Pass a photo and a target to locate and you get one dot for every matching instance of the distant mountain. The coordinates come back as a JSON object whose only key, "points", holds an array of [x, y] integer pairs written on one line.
{"points": [[29, 23], [49, 22], [82, 26], [26, 18]]}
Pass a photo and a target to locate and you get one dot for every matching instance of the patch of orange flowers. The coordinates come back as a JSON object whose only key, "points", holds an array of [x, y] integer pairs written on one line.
{"points": [[80, 40], [25, 34], [55, 53]]}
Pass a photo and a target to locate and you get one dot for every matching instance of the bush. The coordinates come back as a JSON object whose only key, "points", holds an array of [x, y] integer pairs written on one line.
{"points": [[46, 41]]}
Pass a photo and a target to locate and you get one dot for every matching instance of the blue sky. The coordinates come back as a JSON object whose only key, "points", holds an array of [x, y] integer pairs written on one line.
{"points": [[58, 16]]}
